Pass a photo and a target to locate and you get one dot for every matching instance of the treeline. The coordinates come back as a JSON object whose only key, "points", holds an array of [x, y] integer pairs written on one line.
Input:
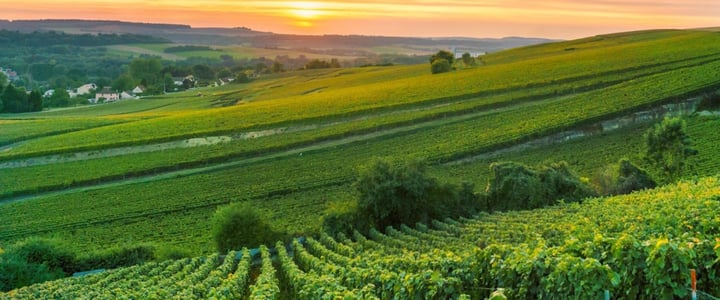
{"points": [[17, 100], [188, 48], [50, 38]]}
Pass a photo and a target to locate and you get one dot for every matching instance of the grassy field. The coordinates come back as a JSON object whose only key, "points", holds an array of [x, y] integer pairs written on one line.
{"points": [[317, 126]]}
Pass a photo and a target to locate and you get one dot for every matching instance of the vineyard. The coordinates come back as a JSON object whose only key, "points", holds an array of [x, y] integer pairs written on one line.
{"points": [[637, 246], [290, 143]]}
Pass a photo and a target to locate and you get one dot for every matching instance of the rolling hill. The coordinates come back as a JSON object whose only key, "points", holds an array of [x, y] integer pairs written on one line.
{"points": [[155, 170]]}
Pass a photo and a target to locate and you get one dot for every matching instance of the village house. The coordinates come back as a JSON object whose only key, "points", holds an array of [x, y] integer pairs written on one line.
{"points": [[138, 90], [9, 73], [82, 90], [106, 95]]}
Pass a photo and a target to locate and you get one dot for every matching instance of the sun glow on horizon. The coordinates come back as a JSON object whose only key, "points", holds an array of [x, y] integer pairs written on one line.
{"points": [[306, 10], [474, 18]]}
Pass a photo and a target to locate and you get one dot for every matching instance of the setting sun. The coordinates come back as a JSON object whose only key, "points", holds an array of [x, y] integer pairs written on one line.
{"points": [[306, 10]]}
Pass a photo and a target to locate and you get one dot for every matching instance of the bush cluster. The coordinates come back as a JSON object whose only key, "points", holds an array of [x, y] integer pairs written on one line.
{"points": [[37, 260], [391, 193], [515, 186], [237, 225]]}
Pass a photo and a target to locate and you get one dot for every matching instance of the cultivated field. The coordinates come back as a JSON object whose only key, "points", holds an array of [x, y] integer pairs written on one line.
{"points": [[154, 170]]}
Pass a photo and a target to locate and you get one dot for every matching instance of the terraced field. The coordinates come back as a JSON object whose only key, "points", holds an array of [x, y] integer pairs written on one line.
{"points": [[289, 143], [639, 246]]}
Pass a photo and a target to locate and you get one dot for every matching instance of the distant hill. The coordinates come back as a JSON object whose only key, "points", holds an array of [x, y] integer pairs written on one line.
{"points": [[185, 34]]}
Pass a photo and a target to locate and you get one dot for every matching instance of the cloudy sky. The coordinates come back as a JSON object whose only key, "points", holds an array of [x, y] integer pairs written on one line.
{"points": [[473, 18]]}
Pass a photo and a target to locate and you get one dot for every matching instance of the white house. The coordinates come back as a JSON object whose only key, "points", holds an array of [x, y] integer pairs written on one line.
{"points": [[138, 90], [85, 89], [107, 95], [48, 93], [127, 95]]}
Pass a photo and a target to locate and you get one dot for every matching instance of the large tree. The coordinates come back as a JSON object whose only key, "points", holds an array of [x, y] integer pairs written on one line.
{"points": [[58, 99], [442, 54], [146, 70], [35, 101], [441, 62], [14, 99], [123, 83], [667, 147]]}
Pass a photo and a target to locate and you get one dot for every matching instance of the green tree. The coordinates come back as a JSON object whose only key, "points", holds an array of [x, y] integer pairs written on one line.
{"points": [[392, 193], [35, 101], [14, 99], [224, 73], [241, 77], [667, 148], [203, 73], [124, 82], [515, 186], [277, 67], [146, 69], [59, 98], [468, 60], [237, 225], [445, 55], [3, 81], [440, 66]]}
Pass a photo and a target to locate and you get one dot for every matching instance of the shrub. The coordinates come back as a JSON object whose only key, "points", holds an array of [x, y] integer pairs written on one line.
{"points": [[440, 66], [667, 149], [50, 252], [710, 101], [344, 218], [112, 258], [631, 178], [515, 186], [16, 272], [394, 192], [237, 225]]}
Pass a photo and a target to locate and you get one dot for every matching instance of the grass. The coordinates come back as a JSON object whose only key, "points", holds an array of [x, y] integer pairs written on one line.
{"points": [[360, 113]]}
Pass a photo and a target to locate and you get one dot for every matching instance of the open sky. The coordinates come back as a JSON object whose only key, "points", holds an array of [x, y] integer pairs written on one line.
{"points": [[472, 18]]}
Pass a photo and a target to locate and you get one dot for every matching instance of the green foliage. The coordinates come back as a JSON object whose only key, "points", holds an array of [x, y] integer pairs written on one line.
{"points": [[237, 225], [638, 246], [203, 73], [622, 178], [468, 60], [632, 178], [35, 101], [15, 272], [267, 285], [147, 70], [37, 259], [392, 193], [59, 98], [344, 219], [710, 101], [321, 64], [667, 148], [14, 99], [123, 83], [187, 48], [447, 56], [515, 186], [440, 66], [277, 67], [241, 77]]}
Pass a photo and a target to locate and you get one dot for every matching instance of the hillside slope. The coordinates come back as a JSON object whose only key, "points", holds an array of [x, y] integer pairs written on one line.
{"points": [[288, 144], [639, 246]]}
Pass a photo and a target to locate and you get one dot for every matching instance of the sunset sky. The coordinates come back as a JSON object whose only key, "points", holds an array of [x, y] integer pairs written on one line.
{"points": [[471, 18]]}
